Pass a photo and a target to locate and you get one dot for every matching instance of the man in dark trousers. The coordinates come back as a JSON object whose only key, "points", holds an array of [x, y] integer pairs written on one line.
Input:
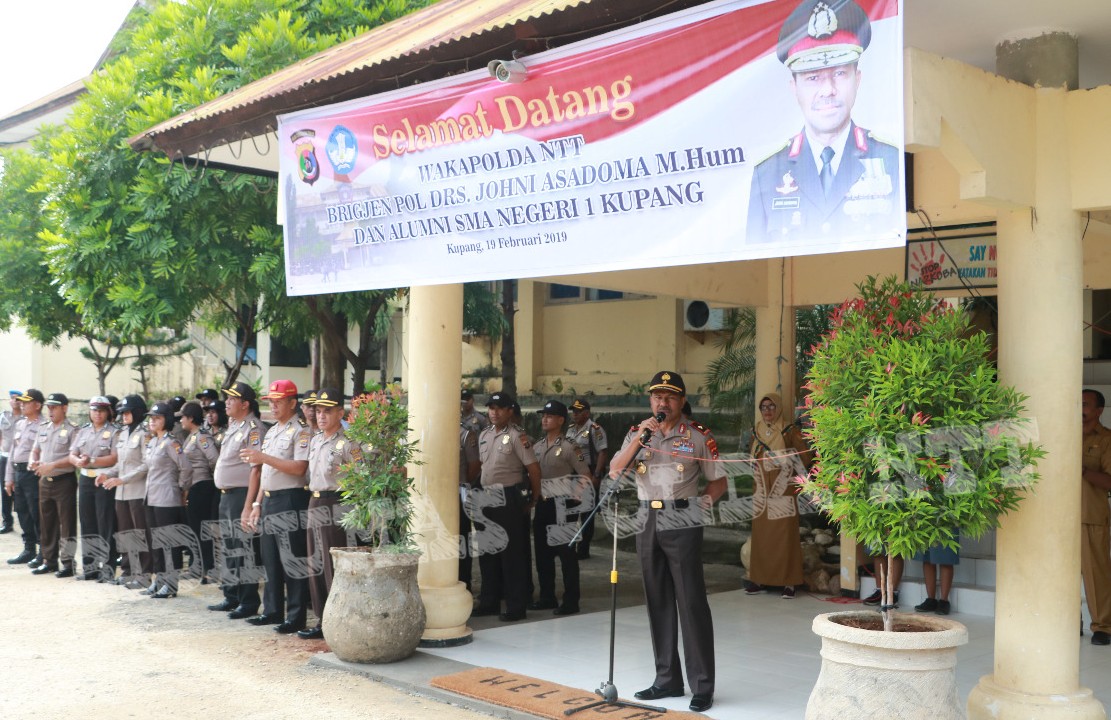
{"points": [[667, 456]]}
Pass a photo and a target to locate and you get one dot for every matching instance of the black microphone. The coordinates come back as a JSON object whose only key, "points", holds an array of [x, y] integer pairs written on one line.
{"points": [[646, 434]]}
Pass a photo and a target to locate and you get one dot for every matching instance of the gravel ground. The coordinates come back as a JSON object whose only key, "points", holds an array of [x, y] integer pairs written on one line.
{"points": [[79, 650]]}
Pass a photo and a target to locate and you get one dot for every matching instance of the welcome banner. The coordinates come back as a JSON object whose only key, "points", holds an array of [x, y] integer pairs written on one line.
{"points": [[679, 141]]}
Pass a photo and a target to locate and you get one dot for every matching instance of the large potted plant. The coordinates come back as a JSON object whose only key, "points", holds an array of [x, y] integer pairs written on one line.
{"points": [[374, 612], [916, 441]]}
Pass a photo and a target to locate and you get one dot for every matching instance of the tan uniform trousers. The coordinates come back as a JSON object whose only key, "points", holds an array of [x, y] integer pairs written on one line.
{"points": [[1095, 566]]}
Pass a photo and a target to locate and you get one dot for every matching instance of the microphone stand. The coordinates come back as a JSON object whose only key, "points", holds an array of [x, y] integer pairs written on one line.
{"points": [[607, 690]]}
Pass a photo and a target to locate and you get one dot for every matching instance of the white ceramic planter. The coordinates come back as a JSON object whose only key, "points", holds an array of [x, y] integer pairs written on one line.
{"points": [[889, 675], [374, 613]]}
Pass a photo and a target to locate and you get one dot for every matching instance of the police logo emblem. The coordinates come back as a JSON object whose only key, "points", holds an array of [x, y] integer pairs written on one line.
{"points": [[308, 167], [823, 22]]}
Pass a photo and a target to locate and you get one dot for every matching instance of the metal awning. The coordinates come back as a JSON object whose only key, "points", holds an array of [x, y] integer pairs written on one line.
{"points": [[446, 38]]}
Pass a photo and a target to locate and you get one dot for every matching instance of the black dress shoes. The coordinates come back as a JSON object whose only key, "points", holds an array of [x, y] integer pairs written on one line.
{"points": [[288, 628], [241, 613], [1101, 638], [512, 617], [35, 561], [5, 529], [163, 593], [260, 620], [701, 703], [66, 572], [566, 610], [655, 693], [44, 569], [88, 576], [24, 557], [311, 634], [225, 606]]}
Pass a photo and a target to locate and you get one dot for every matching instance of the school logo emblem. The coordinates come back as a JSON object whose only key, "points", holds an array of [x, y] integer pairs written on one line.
{"points": [[342, 150], [308, 167]]}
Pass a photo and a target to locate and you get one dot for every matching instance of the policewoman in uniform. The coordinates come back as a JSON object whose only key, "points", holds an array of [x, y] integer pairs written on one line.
{"points": [[169, 475], [202, 502], [329, 450], [834, 179], [283, 488], [57, 486], [22, 484], [563, 475], [8, 419], [93, 453], [591, 439], [129, 481], [232, 476], [667, 457], [505, 451], [216, 420]]}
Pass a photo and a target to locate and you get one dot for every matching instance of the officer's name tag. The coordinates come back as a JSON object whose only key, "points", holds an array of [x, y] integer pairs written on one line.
{"points": [[785, 203]]}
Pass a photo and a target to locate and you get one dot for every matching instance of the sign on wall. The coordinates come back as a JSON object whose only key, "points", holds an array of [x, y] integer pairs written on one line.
{"points": [[690, 139], [955, 260]]}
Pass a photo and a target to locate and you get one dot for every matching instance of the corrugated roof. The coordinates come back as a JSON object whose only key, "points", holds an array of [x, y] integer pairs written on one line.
{"points": [[446, 38]]}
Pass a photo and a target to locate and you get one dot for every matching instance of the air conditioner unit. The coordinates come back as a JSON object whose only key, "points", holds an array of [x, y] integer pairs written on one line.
{"points": [[699, 316]]}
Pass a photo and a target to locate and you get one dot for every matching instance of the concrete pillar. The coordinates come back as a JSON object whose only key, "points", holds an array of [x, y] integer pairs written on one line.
{"points": [[1037, 602], [775, 338], [435, 356], [529, 334]]}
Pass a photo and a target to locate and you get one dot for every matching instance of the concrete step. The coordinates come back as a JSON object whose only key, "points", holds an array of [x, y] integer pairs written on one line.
{"points": [[965, 599]]}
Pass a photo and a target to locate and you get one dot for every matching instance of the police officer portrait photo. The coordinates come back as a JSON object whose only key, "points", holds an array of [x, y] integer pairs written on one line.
{"points": [[832, 180]]}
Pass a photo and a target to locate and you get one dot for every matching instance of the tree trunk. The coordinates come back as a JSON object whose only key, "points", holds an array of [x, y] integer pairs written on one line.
{"points": [[332, 362], [508, 347]]}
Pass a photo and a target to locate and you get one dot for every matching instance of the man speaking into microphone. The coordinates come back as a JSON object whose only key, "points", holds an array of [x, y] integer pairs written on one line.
{"points": [[666, 454]]}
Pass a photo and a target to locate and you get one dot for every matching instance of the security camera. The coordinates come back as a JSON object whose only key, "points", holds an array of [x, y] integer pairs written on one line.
{"points": [[507, 71]]}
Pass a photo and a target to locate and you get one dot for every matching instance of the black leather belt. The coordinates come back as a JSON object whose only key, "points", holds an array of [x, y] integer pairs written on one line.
{"points": [[21, 467], [268, 493], [665, 504], [325, 493], [63, 476]]}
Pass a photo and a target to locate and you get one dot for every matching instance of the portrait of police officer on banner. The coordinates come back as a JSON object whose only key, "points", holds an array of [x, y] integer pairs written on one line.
{"points": [[833, 179]]}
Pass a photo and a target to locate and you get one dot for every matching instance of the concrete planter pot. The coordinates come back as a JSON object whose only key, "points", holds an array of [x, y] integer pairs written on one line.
{"points": [[890, 675], [374, 612]]}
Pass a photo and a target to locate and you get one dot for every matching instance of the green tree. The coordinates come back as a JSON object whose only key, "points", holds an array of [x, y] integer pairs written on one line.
{"points": [[142, 243]]}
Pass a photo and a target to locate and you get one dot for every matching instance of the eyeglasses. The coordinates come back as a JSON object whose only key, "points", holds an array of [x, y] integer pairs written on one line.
{"points": [[767, 406]]}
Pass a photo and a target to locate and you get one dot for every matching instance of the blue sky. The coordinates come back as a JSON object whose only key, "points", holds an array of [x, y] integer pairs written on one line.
{"points": [[51, 43]]}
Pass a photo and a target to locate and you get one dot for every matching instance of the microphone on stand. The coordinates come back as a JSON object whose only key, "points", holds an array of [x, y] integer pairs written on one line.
{"points": [[647, 433]]}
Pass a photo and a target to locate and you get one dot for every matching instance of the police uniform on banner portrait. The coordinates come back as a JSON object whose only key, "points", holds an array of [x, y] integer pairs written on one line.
{"points": [[284, 462], [240, 574], [564, 478], [329, 450], [667, 468], [21, 483], [505, 451], [94, 454], [834, 179], [57, 488]]}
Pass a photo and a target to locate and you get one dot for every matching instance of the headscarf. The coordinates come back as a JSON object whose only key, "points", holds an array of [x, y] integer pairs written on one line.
{"points": [[769, 436]]}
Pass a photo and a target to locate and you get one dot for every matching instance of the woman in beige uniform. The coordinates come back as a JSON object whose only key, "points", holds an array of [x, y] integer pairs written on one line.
{"points": [[169, 475], [202, 501], [93, 453], [129, 477]]}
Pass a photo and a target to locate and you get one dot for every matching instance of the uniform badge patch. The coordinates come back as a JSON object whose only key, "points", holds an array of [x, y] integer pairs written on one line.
{"points": [[684, 446]]}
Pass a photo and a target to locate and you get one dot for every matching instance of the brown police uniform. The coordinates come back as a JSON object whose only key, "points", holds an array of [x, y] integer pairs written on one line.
{"points": [[283, 540], [232, 476], [96, 506], [505, 454], [669, 546], [57, 490], [1095, 527], [327, 454], [563, 474]]}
